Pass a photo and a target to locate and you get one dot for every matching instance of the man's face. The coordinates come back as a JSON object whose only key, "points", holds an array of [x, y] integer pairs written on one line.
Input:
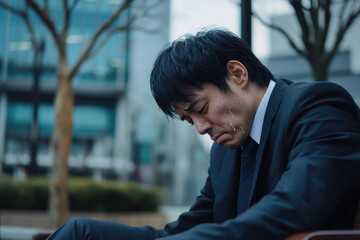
{"points": [[226, 117]]}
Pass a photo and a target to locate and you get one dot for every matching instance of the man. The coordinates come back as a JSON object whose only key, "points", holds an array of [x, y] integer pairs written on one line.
{"points": [[302, 170]]}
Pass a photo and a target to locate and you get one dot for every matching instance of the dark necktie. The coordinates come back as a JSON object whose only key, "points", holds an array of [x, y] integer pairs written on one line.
{"points": [[248, 162]]}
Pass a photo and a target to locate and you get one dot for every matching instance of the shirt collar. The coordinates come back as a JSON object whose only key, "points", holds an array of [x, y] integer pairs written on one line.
{"points": [[257, 125]]}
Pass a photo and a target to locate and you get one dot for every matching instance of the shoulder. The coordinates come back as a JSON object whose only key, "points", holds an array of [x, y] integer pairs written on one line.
{"points": [[324, 103], [309, 94], [316, 89]]}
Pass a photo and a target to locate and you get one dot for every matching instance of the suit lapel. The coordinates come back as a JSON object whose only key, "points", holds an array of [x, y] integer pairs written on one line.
{"points": [[225, 180], [271, 111]]}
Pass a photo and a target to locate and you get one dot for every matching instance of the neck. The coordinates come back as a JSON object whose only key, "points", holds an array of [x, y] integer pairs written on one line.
{"points": [[257, 94]]}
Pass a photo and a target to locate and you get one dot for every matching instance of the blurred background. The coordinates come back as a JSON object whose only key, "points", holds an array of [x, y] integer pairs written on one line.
{"points": [[119, 134]]}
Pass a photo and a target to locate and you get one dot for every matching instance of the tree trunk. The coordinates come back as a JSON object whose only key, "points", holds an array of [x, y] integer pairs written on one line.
{"points": [[319, 70], [61, 144]]}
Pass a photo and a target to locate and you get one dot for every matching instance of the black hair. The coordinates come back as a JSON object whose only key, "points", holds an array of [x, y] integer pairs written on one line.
{"points": [[193, 60]]}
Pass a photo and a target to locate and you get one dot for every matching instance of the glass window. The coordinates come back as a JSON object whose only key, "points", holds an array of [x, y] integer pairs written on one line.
{"points": [[88, 120], [19, 118], [93, 120], [104, 66]]}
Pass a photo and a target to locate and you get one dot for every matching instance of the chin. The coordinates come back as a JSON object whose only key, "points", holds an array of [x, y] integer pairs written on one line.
{"points": [[232, 145]]}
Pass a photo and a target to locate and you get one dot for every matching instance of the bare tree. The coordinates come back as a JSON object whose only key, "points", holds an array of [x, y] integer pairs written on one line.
{"points": [[64, 96], [314, 18]]}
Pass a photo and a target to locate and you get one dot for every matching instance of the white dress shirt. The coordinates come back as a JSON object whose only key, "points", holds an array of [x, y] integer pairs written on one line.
{"points": [[256, 128]]}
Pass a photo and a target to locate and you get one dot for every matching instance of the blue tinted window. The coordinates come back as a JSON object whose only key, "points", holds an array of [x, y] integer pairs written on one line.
{"points": [[88, 120], [93, 120], [19, 117]]}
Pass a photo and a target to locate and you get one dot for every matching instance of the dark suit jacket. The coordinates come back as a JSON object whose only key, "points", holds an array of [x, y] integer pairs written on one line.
{"points": [[307, 171]]}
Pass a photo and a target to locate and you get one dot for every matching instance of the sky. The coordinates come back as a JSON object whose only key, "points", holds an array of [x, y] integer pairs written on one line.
{"points": [[189, 16]]}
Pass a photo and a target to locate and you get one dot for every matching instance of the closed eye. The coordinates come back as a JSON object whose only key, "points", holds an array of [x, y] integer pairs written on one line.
{"points": [[202, 109]]}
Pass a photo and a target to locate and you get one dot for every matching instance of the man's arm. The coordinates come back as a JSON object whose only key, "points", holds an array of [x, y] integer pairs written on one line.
{"points": [[322, 137], [200, 212]]}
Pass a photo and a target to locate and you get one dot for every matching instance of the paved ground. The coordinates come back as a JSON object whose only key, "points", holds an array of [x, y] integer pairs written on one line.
{"points": [[25, 233], [18, 233]]}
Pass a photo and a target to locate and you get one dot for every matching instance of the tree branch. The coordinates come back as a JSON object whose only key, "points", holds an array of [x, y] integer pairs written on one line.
{"points": [[24, 14], [12, 9], [99, 31], [325, 30], [340, 34], [297, 5], [44, 16], [30, 28], [72, 7], [283, 32], [46, 5], [342, 11], [106, 38], [314, 15], [67, 12], [130, 24]]}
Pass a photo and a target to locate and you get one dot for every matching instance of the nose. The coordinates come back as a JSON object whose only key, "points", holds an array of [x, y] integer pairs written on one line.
{"points": [[202, 125]]}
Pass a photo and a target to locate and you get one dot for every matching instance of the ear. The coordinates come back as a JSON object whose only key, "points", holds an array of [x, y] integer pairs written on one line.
{"points": [[237, 72]]}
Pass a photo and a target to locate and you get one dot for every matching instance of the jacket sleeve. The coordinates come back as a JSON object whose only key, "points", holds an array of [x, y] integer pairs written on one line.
{"points": [[200, 212], [321, 136]]}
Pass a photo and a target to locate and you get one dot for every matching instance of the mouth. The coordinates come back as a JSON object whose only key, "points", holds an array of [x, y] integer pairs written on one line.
{"points": [[217, 137]]}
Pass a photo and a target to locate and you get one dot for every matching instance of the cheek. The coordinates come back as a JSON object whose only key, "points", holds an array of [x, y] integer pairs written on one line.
{"points": [[230, 122], [225, 118], [231, 119], [237, 120]]}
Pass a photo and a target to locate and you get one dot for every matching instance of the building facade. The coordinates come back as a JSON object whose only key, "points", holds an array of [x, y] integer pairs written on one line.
{"points": [[102, 140], [118, 132]]}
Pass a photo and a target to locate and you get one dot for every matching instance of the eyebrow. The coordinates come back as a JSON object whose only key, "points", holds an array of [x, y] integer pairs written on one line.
{"points": [[188, 108], [191, 106]]}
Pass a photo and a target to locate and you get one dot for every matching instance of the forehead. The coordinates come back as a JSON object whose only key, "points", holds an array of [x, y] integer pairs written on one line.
{"points": [[183, 108], [196, 96]]}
